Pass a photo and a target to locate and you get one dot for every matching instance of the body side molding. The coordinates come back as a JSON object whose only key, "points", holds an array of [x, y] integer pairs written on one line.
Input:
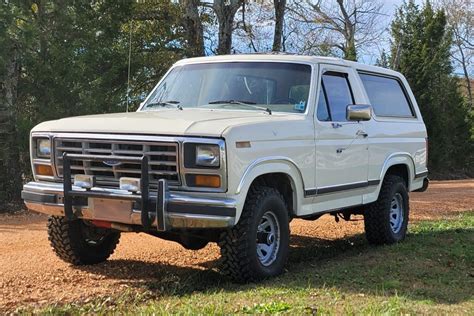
{"points": [[339, 188]]}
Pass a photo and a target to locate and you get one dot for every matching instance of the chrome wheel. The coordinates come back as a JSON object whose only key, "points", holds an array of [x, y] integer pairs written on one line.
{"points": [[268, 238], [396, 213]]}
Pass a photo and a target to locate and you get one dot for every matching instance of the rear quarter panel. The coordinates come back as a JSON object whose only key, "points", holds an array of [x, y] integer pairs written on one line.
{"points": [[396, 140]]}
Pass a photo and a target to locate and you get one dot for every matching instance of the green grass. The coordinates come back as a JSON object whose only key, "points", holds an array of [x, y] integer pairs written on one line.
{"points": [[432, 272]]}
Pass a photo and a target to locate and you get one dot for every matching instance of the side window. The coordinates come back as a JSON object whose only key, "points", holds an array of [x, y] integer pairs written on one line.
{"points": [[323, 111], [386, 96], [338, 94]]}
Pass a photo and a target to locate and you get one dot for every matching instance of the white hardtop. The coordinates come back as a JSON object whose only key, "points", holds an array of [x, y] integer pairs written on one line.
{"points": [[293, 58]]}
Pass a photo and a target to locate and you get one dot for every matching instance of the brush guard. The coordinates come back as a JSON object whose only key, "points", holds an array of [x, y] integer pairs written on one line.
{"points": [[142, 197]]}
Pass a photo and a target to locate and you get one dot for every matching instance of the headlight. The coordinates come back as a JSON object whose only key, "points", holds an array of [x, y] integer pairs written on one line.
{"points": [[207, 155], [43, 148]]}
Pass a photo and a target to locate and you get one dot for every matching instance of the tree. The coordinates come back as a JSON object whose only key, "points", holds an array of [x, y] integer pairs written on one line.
{"points": [[193, 26], [357, 23], [225, 11], [11, 40], [460, 17], [383, 60], [62, 58], [280, 6], [420, 49], [158, 40]]}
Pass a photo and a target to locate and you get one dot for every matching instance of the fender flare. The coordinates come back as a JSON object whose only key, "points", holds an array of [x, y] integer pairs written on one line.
{"points": [[398, 158], [266, 166]]}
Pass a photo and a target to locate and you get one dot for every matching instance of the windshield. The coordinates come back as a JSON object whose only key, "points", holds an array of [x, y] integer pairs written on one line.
{"points": [[270, 86]]}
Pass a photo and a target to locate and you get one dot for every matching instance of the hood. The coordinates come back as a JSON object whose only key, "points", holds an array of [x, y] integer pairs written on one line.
{"points": [[189, 122]]}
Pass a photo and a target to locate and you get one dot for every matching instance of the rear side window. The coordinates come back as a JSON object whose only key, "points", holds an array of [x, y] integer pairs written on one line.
{"points": [[386, 96]]}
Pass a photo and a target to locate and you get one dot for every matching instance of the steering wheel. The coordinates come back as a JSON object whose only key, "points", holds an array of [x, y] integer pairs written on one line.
{"points": [[284, 101]]}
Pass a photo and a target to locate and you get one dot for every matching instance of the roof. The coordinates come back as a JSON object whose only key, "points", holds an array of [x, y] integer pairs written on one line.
{"points": [[283, 57]]}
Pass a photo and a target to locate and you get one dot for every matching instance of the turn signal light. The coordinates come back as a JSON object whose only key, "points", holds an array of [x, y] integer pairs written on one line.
{"points": [[210, 181], [44, 170]]}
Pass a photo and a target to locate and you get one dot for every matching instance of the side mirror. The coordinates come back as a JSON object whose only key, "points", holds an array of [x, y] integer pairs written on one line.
{"points": [[358, 112]]}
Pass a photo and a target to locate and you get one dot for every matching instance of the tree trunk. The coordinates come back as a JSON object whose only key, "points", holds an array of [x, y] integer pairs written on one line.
{"points": [[280, 6], [194, 30], [225, 11], [466, 76], [349, 33], [10, 175]]}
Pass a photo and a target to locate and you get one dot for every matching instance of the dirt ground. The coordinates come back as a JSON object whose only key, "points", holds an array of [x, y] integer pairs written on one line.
{"points": [[31, 275]]}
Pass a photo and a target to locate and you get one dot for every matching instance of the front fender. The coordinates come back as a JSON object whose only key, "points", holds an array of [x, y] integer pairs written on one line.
{"points": [[266, 166]]}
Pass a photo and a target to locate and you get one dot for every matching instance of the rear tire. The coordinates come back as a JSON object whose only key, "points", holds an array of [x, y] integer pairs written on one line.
{"points": [[386, 220], [257, 247], [78, 243]]}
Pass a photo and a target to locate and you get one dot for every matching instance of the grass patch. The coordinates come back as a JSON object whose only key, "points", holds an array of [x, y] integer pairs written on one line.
{"points": [[431, 272]]}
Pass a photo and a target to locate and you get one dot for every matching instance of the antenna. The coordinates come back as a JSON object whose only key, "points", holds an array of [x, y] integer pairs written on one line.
{"points": [[129, 58]]}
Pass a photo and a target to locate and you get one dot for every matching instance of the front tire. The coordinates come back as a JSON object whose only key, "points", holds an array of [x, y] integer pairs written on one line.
{"points": [[386, 220], [79, 243], [257, 247]]}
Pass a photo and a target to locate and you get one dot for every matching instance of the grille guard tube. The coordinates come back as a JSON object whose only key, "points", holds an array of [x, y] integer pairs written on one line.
{"points": [[143, 198]]}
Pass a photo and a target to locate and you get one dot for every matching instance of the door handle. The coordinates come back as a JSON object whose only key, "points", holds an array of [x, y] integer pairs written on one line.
{"points": [[362, 133]]}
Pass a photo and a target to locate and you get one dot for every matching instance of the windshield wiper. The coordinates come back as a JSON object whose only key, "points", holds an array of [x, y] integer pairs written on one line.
{"points": [[245, 103], [165, 103]]}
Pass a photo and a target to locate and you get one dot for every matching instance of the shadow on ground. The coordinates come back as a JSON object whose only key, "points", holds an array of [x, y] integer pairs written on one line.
{"points": [[436, 266]]}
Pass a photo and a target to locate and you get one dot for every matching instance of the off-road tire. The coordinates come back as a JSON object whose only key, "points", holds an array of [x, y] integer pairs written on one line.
{"points": [[68, 241], [378, 230], [239, 244]]}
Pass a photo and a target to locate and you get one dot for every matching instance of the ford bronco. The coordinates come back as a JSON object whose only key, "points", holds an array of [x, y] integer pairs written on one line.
{"points": [[229, 149]]}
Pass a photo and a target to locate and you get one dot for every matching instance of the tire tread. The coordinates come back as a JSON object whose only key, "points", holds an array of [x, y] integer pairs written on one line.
{"points": [[64, 237], [234, 242], [376, 230]]}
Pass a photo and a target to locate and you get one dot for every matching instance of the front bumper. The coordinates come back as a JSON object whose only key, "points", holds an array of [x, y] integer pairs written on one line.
{"points": [[178, 210]]}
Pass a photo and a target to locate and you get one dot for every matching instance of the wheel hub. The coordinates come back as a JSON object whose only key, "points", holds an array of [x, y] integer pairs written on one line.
{"points": [[268, 238], [396, 213]]}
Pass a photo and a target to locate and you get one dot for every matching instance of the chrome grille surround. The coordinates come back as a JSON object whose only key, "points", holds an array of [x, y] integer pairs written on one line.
{"points": [[163, 159], [178, 141]]}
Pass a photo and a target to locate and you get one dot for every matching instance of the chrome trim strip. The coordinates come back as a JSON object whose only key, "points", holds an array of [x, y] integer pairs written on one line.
{"points": [[201, 221], [186, 199], [339, 188]]}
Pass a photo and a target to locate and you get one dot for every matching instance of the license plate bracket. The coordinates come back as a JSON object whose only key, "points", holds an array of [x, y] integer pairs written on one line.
{"points": [[112, 210]]}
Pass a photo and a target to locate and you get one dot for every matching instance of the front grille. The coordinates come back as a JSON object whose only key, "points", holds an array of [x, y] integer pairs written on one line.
{"points": [[163, 159]]}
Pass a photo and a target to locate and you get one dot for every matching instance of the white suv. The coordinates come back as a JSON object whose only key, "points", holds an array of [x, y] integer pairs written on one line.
{"points": [[229, 149]]}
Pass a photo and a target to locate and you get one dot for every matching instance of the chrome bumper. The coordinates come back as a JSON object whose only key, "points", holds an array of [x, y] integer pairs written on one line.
{"points": [[182, 210]]}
